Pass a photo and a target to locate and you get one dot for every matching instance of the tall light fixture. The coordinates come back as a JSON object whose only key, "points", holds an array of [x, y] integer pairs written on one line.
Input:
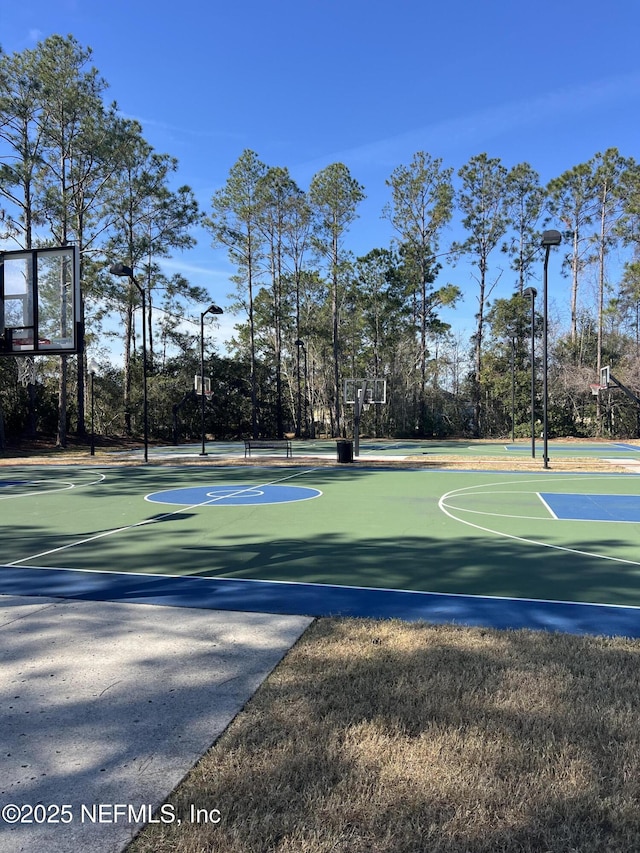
{"points": [[212, 309], [92, 369], [300, 344], [513, 390], [549, 239], [127, 272], [532, 293]]}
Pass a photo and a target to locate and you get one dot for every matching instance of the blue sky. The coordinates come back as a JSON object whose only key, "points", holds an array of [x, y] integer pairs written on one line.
{"points": [[305, 83]]}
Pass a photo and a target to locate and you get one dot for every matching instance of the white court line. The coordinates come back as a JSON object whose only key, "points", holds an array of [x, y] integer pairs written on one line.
{"points": [[67, 486], [313, 585], [546, 505], [500, 533], [149, 521]]}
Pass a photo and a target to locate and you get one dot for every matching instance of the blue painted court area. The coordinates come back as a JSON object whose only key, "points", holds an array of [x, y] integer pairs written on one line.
{"points": [[234, 495], [576, 507], [323, 600]]}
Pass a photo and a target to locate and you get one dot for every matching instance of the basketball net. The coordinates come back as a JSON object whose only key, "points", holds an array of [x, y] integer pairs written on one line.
{"points": [[26, 370]]}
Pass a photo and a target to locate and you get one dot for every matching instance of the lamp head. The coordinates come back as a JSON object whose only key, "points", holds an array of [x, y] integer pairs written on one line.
{"points": [[530, 291], [551, 238], [121, 269], [213, 309]]}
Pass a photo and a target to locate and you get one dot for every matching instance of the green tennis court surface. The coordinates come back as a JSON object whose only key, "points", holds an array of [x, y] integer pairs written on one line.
{"points": [[484, 534]]}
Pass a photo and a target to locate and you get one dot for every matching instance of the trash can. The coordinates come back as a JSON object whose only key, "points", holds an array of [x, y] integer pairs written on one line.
{"points": [[345, 450]]}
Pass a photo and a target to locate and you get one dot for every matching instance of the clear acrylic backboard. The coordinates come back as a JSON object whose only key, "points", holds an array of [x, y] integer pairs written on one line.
{"points": [[197, 385], [40, 302], [375, 390]]}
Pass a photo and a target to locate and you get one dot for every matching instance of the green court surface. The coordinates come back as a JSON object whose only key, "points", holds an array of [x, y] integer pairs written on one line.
{"points": [[488, 534]]}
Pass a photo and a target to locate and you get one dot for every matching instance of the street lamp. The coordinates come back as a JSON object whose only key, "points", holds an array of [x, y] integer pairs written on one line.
{"points": [[549, 239], [532, 292], [212, 309], [301, 346], [92, 369], [125, 271], [513, 390]]}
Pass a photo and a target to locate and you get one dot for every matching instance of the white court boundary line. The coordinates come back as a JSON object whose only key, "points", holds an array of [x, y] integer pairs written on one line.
{"points": [[547, 507], [147, 521], [312, 585], [453, 492], [66, 487]]}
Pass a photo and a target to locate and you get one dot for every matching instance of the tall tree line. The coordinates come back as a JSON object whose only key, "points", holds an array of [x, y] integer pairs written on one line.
{"points": [[310, 313], [73, 171]]}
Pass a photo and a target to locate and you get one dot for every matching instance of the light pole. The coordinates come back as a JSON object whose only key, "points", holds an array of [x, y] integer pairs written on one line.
{"points": [[127, 272], [549, 239], [532, 292], [92, 369], [212, 309], [513, 390], [300, 344]]}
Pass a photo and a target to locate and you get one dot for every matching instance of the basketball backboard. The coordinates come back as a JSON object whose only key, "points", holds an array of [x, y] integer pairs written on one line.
{"points": [[605, 377], [375, 390], [40, 302], [197, 385]]}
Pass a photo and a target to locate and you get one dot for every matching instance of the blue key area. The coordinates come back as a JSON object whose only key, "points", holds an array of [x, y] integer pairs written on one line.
{"points": [[593, 507]]}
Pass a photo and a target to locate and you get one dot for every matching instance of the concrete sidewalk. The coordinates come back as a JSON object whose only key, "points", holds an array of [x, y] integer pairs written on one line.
{"points": [[110, 704]]}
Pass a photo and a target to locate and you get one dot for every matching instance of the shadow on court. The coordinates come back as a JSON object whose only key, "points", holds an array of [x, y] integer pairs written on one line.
{"points": [[370, 528], [471, 565]]}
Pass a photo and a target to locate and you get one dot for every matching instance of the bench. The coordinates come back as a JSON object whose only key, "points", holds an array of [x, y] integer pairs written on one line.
{"points": [[267, 444]]}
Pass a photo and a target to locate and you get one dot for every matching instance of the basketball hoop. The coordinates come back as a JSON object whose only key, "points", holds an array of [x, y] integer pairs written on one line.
{"points": [[375, 391], [596, 388], [26, 370], [197, 385]]}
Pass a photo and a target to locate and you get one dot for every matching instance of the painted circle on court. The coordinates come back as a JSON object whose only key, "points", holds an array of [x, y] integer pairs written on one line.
{"points": [[234, 495], [471, 506]]}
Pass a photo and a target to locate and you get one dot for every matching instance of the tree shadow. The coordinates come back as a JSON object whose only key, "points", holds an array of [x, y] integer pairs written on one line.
{"points": [[448, 741], [112, 703]]}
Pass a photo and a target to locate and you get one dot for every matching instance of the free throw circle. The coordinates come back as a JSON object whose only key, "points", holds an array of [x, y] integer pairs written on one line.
{"points": [[234, 495]]}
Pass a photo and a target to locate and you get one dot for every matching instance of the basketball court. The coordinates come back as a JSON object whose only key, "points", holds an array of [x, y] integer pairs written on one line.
{"points": [[508, 549]]}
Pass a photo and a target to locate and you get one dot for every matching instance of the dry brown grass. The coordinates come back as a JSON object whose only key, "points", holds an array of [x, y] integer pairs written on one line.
{"points": [[388, 737]]}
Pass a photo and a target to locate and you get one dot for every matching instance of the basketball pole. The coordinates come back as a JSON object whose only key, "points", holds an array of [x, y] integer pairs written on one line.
{"points": [[357, 409], [212, 309]]}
